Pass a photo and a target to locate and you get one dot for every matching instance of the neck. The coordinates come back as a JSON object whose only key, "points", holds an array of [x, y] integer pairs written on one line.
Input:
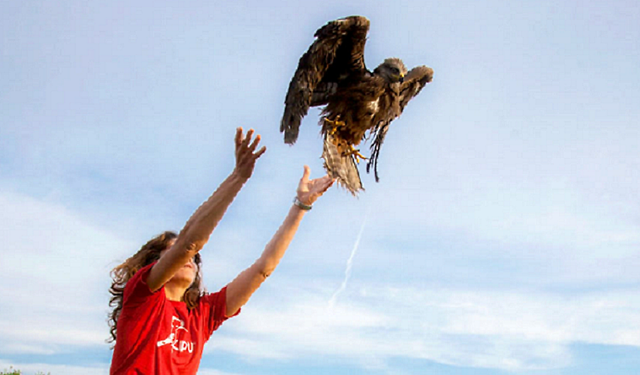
{"points": [[175, 291]]}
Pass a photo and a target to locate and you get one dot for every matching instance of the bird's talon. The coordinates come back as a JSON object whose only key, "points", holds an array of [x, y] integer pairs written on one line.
{"points": [[357, 156], [335, 123]]}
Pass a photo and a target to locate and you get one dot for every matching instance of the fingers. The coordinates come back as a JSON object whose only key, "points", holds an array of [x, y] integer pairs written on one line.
{"points": [[238, 136], [255, 142], [320, 185], [260, 151], [304, 184], [324, 183], [244, 143], [247, 139], [329, 181], [306, 173], [242, 140]]}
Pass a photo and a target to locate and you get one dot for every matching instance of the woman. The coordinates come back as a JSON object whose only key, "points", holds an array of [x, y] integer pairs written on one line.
{"points": [[161, 319]]}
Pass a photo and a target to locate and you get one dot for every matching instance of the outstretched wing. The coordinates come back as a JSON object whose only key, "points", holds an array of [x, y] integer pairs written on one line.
{"points": [[413, 82], [335, 55]]}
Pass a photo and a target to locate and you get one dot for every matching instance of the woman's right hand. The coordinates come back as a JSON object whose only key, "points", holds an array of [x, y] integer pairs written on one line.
{"points": [[245, 155]]}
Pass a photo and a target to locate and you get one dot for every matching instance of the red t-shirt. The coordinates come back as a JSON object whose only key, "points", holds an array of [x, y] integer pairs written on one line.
{"points": [[159, 336]]}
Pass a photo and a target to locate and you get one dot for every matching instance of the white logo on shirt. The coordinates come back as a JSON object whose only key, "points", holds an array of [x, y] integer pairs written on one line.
{"points": [[178, 345]]}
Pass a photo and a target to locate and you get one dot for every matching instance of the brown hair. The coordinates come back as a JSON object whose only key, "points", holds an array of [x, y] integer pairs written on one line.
{"points": [[147, 254]]}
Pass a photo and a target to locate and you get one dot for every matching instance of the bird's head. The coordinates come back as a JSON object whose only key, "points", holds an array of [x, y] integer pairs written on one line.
{"points": [[392, 70]]}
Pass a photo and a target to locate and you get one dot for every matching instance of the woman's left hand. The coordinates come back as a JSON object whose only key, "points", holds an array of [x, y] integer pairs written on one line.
{"points": [[310, 190]]}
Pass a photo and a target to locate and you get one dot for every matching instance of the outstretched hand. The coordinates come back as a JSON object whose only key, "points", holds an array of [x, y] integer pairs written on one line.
{"points": [[245, 155], [310, 190]]}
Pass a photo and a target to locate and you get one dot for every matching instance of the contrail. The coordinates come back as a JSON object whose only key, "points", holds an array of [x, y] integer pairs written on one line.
{"points": [[347, 272]]}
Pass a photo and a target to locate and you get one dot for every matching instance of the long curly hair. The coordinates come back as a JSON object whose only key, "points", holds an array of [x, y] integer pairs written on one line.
{"points": [[147, 254]]}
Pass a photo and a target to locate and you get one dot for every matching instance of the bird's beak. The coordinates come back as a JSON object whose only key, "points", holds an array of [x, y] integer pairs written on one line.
{"points": [[401, 78]]}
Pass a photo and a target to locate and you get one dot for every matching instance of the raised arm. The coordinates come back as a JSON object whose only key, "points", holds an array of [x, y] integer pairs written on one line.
{"points": [[198, 228], [248, 281]]}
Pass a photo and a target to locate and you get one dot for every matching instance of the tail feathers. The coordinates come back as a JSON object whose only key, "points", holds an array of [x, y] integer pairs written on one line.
{"points": [[342, 168]]}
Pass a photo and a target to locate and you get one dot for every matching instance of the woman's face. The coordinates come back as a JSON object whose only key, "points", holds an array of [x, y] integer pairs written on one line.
{"points": [[186, 273]]}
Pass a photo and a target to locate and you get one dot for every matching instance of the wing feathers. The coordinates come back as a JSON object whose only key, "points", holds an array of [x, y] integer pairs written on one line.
{"points": [[414, 81], [338, 48]]}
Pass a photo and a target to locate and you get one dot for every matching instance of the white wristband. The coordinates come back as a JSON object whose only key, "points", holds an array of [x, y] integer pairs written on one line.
{"points": [[301, 205]]}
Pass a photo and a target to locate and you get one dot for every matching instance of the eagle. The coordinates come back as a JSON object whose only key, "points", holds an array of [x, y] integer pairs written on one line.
{"points": [[358, 104]]}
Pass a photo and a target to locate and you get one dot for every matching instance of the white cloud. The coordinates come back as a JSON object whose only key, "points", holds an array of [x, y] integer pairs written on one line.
{"points": [[55, 265], [512, 330]]}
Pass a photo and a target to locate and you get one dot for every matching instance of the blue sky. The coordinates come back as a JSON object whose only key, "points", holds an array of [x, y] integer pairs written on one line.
{"points": [[503, 237]]}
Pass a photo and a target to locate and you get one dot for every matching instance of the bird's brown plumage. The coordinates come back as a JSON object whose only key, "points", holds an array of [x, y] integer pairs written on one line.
{"points": [[358, 102]]}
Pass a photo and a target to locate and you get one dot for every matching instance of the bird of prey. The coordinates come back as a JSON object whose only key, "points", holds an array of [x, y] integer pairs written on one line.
{"points": [[358, 103]]}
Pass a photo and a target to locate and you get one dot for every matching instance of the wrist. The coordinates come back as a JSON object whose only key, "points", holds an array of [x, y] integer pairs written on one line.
{"points": [[301, 205], [236, 176]]}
